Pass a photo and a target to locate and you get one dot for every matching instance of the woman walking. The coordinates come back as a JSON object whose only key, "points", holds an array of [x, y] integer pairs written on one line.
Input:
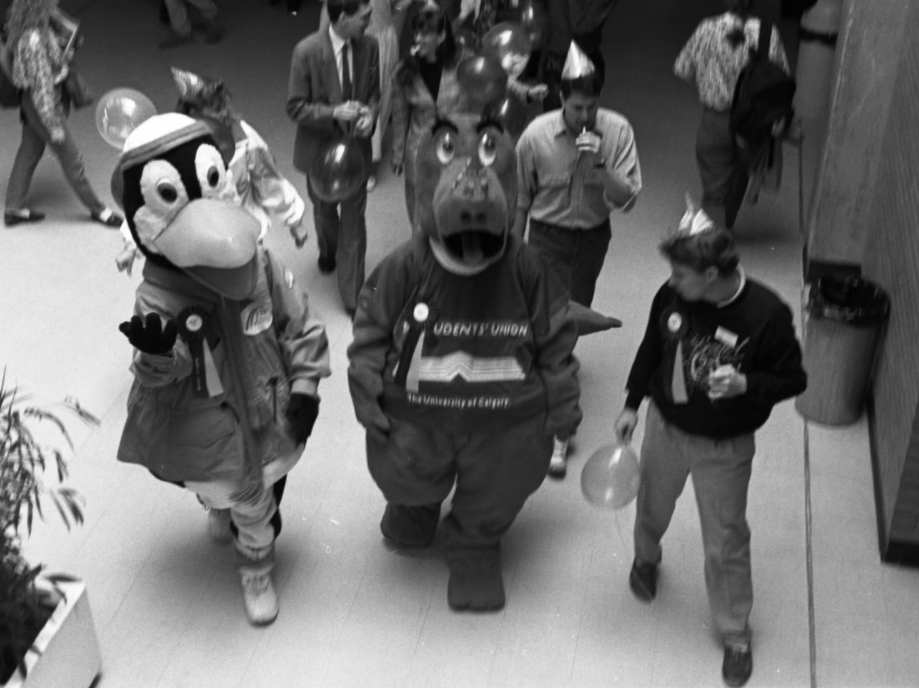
{"points": [[41, 60]]}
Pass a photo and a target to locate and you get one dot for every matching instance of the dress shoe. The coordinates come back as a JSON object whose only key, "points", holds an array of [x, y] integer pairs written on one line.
{"points": [[107, 217], [326, 265], [15, 217]]}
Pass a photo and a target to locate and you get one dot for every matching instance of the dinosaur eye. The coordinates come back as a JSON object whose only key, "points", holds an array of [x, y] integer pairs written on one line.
{"points": [[167, 192], [213, 176], [488, 149], [446, 149]]}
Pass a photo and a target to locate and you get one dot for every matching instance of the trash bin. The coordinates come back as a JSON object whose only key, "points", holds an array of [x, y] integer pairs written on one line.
{"points": [[844, 321], [816, 53]]}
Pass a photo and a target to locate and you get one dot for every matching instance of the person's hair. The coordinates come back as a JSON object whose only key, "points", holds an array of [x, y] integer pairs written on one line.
{"points": [[338, 7], [25, 15], [430, 18], [588, 85], [710, 248], [742, 8]]}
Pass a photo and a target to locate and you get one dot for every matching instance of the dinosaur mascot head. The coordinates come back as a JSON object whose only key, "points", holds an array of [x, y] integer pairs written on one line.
{"points": [[182, 209], [466, 191]]}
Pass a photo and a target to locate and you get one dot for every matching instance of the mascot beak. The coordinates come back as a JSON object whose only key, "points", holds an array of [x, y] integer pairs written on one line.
{"points": [[217, 244]]}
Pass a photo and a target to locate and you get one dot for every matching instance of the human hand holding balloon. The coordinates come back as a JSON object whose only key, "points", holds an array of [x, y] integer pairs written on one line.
{"points": [[347, 112], [625, 425], [587, 142], [364, 125]]}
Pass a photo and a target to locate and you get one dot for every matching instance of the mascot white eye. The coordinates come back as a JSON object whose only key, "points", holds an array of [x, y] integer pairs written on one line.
{"points": [[446, 149], [212, 174], [488, 149]]}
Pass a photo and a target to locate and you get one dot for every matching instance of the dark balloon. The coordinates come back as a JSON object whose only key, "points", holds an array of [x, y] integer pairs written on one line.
{"points": [[533, 16], [465, 40], [338, 171], [512, 114], [509, 44], [483, 80]]}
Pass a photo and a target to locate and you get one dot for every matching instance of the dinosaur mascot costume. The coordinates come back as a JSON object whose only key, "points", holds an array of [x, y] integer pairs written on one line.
{"points": [[227, 360], [461, 368]]}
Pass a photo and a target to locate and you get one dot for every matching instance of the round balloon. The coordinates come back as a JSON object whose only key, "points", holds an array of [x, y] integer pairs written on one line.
{"points": [[483, 80], [510, 45], [338, 171], [610, 477], [119, 112], [512, 114], [465, 39], [534, 18]]}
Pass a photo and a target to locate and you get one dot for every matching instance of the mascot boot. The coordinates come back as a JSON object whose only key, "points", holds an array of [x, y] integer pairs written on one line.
{"points": [[184, 215]]}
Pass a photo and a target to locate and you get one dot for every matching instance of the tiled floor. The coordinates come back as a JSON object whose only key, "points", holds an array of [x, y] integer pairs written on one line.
{"points": [[354, 612]]}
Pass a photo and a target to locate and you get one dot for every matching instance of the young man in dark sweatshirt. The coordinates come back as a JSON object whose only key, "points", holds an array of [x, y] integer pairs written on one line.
{"points": [[719, 352]]}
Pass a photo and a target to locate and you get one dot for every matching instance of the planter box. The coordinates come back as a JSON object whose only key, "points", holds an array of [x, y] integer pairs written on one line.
{"points": [[70, 656]]}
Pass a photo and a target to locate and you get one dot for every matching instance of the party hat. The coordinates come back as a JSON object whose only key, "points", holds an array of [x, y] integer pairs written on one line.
{"points": [[190, 85], [577, 64], [694, 220]]}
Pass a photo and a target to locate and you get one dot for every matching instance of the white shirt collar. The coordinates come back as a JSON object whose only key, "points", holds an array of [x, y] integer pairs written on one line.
{"points": [[743, 283], [337, 41]]}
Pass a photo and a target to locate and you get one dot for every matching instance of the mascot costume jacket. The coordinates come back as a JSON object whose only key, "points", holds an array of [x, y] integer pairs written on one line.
{"points": [[227, 360], [461, 368]]}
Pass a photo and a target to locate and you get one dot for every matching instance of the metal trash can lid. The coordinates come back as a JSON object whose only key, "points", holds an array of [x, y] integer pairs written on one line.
{"points": [[850, 299]]}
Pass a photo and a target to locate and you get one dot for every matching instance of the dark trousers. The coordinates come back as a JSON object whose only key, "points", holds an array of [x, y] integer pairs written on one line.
{"points": [[495, 473], [341, 233], [35, 138], [576, 255]]}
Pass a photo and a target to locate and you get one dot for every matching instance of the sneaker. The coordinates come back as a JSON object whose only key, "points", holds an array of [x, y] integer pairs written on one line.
{"points": [[107, 217], [260, 597], [738, 664], [371, 183], [218, 525], [558, 464], [643, 581], [15, 217]]}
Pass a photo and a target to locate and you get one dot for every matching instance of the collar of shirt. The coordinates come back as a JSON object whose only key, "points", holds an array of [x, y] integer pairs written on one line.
{"points": [[561, 128], [337, 44]]}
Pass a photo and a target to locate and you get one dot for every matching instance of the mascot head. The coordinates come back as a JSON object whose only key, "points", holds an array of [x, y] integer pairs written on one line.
{"points": [[182, 209], [466, 191]]}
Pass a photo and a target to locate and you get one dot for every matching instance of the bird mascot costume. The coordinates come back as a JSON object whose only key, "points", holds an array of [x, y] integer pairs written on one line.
{"points": [[227, 359], [461, 367]]}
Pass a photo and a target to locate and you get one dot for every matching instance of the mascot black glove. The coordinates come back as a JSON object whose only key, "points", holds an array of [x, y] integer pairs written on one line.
{"points": [[149, 334], [301, 414]]}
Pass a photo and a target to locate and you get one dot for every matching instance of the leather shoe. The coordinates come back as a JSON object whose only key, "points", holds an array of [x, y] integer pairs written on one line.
{"points": [[326, 265], [15, 217], [107, 217], [643, 581]]}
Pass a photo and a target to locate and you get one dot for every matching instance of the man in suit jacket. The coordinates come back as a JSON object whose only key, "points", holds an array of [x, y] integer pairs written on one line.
{"points": [[319, 102]]}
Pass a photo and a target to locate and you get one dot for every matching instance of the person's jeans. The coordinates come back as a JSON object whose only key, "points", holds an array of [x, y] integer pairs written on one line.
{"points": [[35, 138], [576, 255], [720, 470]]}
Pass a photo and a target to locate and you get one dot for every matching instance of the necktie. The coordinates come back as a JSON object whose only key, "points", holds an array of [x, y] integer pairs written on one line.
{"points": [[345, 74]]}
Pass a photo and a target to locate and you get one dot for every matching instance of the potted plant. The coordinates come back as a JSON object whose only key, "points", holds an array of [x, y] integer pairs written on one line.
{"points": [[36, 609]]}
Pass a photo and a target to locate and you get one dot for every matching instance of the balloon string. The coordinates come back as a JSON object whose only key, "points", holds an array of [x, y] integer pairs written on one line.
{"points": [[619, 529]]}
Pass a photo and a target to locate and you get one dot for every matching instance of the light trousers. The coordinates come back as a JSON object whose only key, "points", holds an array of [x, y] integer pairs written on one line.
{"points": [[720, 471]]}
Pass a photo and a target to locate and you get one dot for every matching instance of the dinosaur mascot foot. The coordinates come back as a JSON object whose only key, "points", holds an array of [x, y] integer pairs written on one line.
{"points": [[476, 584], [410, 526]]}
